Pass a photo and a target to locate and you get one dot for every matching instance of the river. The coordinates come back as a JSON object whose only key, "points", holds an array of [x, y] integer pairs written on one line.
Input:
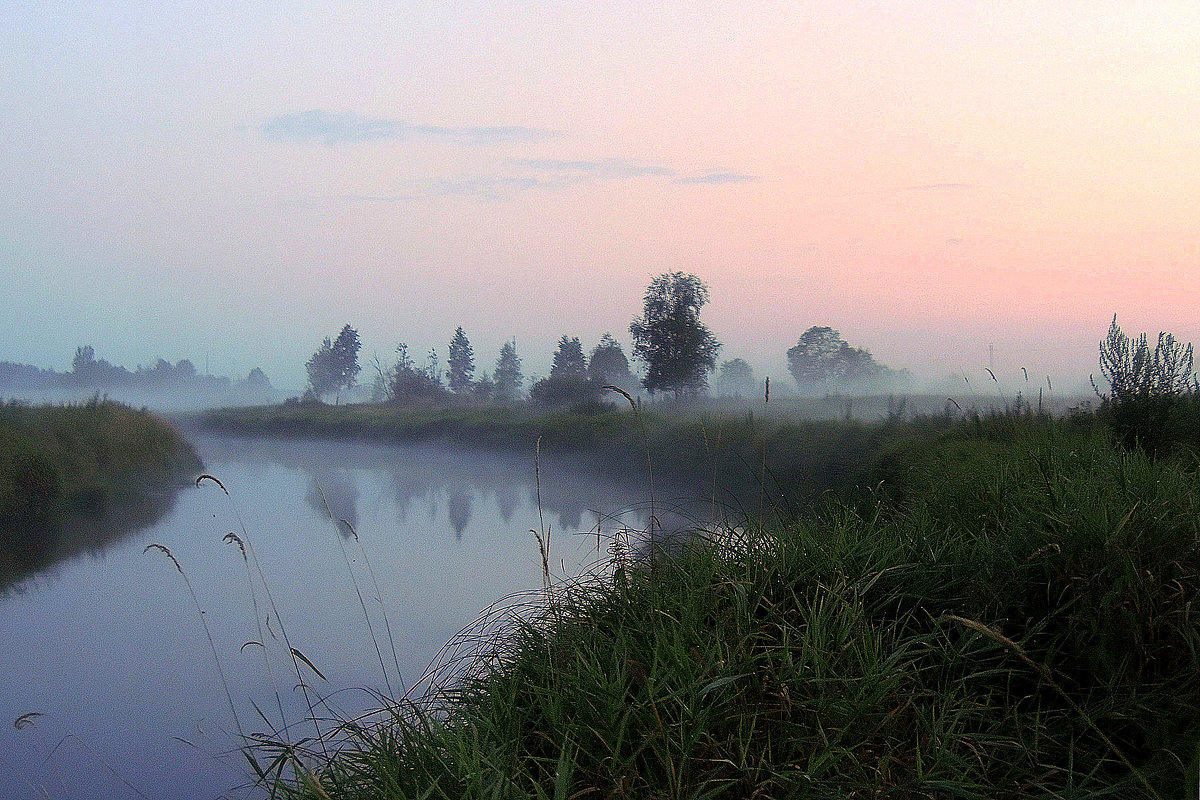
{"points": [[108, 685]]}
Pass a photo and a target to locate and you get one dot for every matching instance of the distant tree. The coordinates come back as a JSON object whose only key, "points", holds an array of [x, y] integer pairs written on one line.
{"points": [[345, 357], [609, 365], [257, 382], [484, 388], [335, 364], [408, 383], [569, 362], [677, 348], [736, 377], [461, 363], [322, 370], [568, 382], [821, 359], [507, 376], [87, 370]]}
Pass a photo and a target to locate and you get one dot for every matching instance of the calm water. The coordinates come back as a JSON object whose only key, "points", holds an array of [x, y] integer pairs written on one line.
{"points": [[109, 648]]}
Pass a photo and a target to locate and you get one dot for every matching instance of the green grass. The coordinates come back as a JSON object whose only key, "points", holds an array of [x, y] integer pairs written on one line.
{"points": [[1008, 613], [62, 457]]}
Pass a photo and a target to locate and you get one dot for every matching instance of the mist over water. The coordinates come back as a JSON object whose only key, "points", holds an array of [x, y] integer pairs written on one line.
{"points": [[108, 647]]}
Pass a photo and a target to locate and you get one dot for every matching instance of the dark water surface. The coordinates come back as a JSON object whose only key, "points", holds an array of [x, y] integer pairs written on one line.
{"points": [[109, 649]]}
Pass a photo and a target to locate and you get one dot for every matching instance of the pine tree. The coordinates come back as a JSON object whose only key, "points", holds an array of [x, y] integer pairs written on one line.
{"points": [[508, 376], [461, 363]]}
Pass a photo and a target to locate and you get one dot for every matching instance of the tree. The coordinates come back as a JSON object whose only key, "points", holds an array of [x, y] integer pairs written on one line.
{"points": [[736, 377], [345, 357], [507, 376], [609, 366], [322, 370], [568, 383], [461, 363], [335, 364], [569, 363], [677, 348], [407, 383], [821, 358]]}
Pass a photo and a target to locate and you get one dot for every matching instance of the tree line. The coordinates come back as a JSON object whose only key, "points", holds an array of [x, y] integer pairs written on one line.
{"points": [[676, 350]]}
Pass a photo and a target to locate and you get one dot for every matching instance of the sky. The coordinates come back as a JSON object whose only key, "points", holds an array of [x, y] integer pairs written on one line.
{"points": [[230, 182]]}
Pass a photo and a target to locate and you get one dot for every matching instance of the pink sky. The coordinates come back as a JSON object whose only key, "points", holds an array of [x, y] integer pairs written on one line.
{"points": [[929, 178]]}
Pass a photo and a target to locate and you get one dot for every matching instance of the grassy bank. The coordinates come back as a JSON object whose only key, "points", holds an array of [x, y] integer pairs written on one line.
{"points": [[79, 457], [1009, 614], [745, 458]]}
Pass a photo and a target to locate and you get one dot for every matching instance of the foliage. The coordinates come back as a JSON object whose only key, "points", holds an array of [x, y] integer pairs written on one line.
{"points": [[736, 377], [406, 383], [52, 453], [1153, 393], [678, 349], [568, 383], [507, 376], [821, 359], [609, 366], [569, 363], [335, 364], [461, 363]]}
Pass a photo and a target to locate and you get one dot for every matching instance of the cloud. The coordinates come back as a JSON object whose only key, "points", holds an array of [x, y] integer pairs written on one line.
{"points": [[604, 168], [937, 187], [717, 177], [349, 128], [491, 187]]}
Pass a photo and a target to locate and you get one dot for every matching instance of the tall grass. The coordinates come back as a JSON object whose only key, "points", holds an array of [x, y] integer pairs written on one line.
{"points": [[1010, 614]]}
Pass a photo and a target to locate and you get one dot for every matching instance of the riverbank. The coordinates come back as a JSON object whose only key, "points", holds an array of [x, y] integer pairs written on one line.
{"points": [[752, 459], [98, 463], [1008, 614]]}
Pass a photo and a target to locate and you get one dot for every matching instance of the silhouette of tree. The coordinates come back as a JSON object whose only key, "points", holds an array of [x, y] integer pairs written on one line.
{"points": [[407, 383], [609, 365], [569, 362], [345, 357], [507, 376], [821, 358], [677, 348], [568, 382], [322, 370], [736, 377], [335, 364], [461, 363]]}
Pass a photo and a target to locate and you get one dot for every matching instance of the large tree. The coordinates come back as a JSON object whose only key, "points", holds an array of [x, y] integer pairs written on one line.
{"points": [[677, 348], [461, 363], [507, 376], [821, 359]]}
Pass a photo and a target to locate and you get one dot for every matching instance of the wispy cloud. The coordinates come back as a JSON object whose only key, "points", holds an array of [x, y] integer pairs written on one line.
{"points": [[332, 129], [937, 187], [717, 177], [604, 168]]}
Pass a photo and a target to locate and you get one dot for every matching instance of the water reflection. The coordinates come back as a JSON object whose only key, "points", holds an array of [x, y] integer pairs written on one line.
{"points": [[433, 480], [113, 651], [34, 545]]}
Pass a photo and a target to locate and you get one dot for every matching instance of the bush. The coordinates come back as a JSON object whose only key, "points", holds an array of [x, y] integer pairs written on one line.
{"points": [[1149, 389]]}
